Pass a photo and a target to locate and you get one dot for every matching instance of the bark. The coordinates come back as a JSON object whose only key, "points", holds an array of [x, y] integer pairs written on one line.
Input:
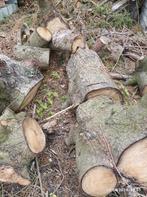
{"points": [[35, 40], [40, 55], [63, 38], [18, 83], [88, 77], [108, 134], [14, 152]]}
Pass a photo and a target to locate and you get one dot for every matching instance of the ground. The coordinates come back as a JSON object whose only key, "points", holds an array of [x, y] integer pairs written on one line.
{"points": [[54, 172]]}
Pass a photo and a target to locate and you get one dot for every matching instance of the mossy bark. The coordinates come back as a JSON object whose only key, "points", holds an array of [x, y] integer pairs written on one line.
{"points": [[14, 151], [18, 83], [105, 130]]}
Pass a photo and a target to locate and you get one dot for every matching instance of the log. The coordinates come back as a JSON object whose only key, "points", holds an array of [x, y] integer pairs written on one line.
{"points": [[18, 83], [15, 154], [110, 140], [140, 76], [34, 135], [40, 55], [88, 77], [39, 38], [64, 38]]}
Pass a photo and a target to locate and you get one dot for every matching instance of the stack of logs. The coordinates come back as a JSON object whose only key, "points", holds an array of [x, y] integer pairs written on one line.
{"points": [[110, 138]]}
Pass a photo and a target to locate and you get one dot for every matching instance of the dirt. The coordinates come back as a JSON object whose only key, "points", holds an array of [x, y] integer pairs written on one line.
{"points": [[57, 173]]}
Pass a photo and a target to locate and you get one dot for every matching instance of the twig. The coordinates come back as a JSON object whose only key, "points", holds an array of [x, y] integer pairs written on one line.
{"points": [[39, 176], [59, 113], [118, 76]]}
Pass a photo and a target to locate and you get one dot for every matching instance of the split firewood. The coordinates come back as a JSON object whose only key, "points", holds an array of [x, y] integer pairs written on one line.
{"points": [[18, 83], [39, 38], [40, 55], [64, 38], [108, 146], [16, 151], [88, 77]]}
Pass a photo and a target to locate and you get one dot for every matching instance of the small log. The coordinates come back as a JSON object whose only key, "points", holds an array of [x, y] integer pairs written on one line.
{"points": [[105, 136], [140, 76], [34, 135], [88, 77], [40, 55], [64, 38], [18, 83], [39, 38], [14, 152]]}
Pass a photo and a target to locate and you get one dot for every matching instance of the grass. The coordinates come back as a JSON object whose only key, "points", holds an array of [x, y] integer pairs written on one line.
{"points": [[44, 105], [55, 75]]}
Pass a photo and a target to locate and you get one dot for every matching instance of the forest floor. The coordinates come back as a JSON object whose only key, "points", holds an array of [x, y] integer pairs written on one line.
{"points": [[57, 175]]}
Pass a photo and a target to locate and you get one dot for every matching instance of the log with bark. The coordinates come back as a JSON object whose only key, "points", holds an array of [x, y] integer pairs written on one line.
{"points": [[109, 138], [39, 38], [20, 138], [18, 83], [63, 38], [140, 76], [40, 55], [88, 77]]}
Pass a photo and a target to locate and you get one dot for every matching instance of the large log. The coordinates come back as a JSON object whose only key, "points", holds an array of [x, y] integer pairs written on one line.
{"points": [[110, 140], [18, 83], [88, 77], [40, 55], [15, 154]]}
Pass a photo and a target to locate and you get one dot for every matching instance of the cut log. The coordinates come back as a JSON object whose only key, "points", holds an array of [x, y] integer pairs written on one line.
{"points": [[88, 77], [18, 83], [14, 152], [109, 133], [40, 55], [64, 38], [34, 135], [140, 76], [39, 38], [44, 33]]}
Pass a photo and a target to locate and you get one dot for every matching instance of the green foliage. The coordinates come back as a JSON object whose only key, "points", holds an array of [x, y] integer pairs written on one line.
{"points": [[107, 18], [64, 98], [45, 104], [55, 75]]}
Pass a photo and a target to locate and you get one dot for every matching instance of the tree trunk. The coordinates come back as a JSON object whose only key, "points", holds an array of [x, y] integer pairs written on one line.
{"points": [[18, 83], [109, 134], [88, 77], [40, 55]]}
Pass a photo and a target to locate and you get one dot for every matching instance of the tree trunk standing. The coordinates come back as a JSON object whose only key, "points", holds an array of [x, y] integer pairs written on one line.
{"points": [[18, 83], [108, 134]]}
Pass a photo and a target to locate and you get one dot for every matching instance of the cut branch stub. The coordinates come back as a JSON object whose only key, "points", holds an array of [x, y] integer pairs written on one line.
{"points": [[14, 152], [88, 77], [34, 135], [18, 83]]}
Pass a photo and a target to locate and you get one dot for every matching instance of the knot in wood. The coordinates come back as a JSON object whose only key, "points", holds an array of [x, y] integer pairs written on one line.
{"points": [[2, 63]]}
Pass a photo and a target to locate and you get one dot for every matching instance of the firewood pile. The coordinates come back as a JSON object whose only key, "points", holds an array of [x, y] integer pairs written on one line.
{"points": [[110, 137]]}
